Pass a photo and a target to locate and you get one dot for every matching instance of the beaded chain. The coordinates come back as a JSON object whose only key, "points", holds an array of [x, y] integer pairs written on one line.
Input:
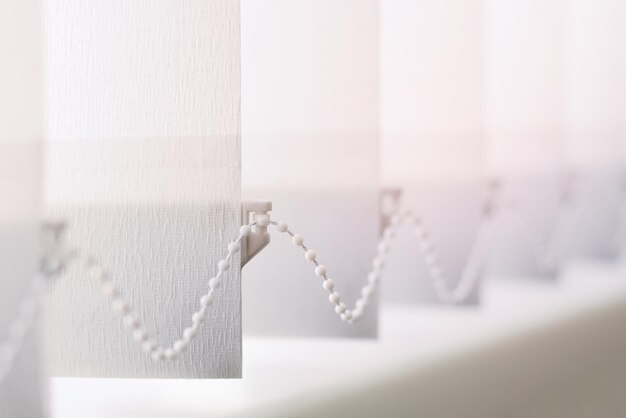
{"points": [[546, 247], [459, 293], [20, 327], [543, 246], [32, 302], [52, 264], [445, 293]]}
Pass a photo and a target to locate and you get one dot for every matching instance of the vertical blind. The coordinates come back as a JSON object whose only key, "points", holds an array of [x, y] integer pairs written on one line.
{"points": [[525, 121], [310, 127], [143, 127], [432, 144], [143, 156], [21, 131], [593, 120]]}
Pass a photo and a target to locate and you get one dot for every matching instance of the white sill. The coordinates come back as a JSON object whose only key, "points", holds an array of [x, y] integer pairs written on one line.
{"points": [[525, 339]]}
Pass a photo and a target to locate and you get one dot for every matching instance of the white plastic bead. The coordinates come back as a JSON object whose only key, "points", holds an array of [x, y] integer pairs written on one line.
{"points": [[100, 273], [328, 284], [426, 246], [130, 322], [389, 234], [367, 291], [360, 304], [341, 308], [109, 289], [356, 314], [372, 277], [282, 227], [346, 316], [424, 241], [215, 282], [435, 271], [245, 230], [190, 332], [223, 265], [140, 335], [310, 255], [377, 263], [158, 355], [365, 298], [169, 353], [297, 240], [430, 258], [180, 345], [383, 247], [233, 247], [263, 221], [320, 271], [206, 300], [148, 346], [198, 317], [119, 306], [334, 297]]}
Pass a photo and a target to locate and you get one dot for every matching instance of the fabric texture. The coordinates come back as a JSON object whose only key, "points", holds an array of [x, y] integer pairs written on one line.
{"points": [[143, 161]]}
